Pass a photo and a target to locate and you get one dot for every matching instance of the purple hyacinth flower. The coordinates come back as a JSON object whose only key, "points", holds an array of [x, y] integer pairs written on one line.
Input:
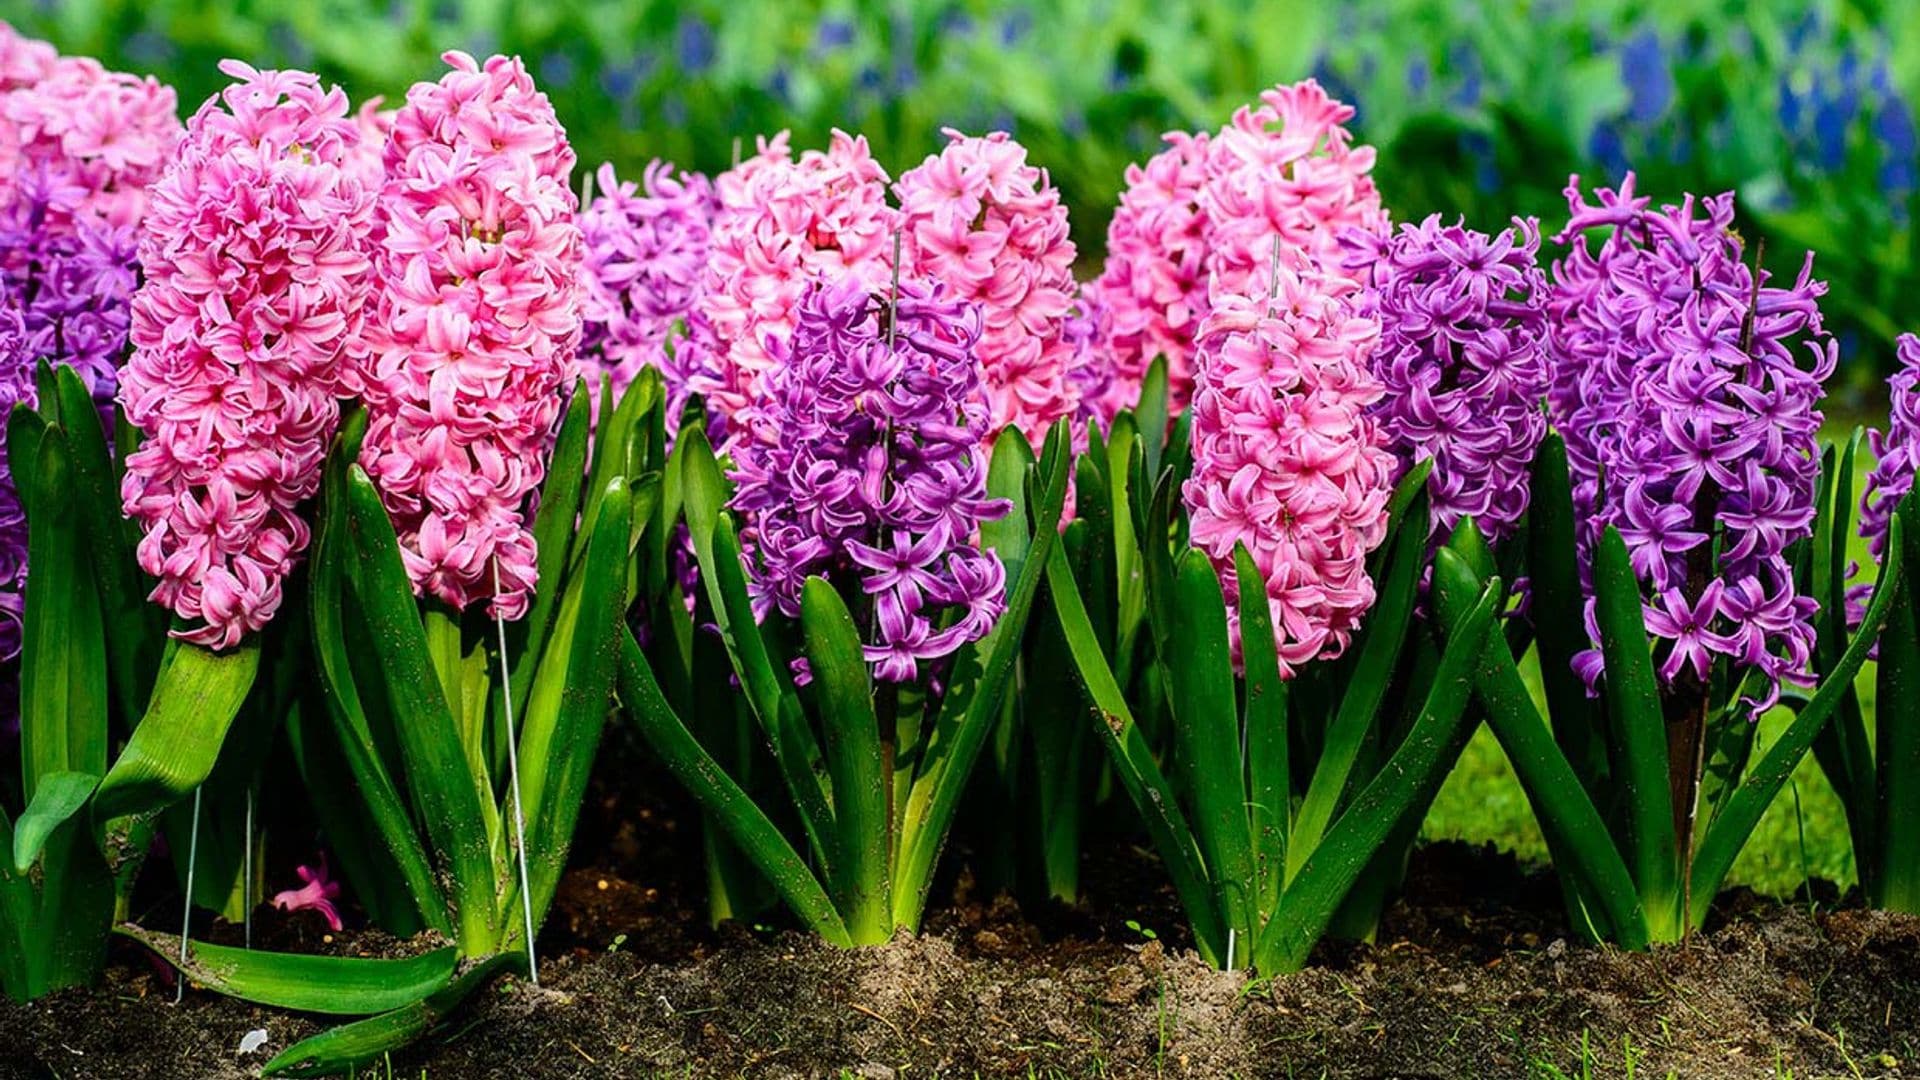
{"points": [[1462, 356], [1687, 392], [870, 471]]}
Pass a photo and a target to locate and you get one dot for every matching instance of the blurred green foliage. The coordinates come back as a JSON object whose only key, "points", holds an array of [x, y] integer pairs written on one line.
{"points": [[1478, 109]]}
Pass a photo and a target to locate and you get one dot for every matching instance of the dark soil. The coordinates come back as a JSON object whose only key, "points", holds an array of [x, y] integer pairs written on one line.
{"points": [[1476, 977]]}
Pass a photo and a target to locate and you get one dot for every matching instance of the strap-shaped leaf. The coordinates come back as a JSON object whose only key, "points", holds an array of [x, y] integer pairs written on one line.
{"points": [[1553, 575], [561, 731], [1417, 767], [1729, 830], [63, 666], [351, 1045], [450, 800], [1576, 834], [553, 541], [1269, 781], [1640, 730], [1134, 765], [173, 750], [980, 675], [1381, 638], [730, 806], [1150, 415], [1207, 730], [353, 743], [132, 623], [844, 697], [1897, 737], [1842, 746], [332, 985], [768, 690], [59, 797]]}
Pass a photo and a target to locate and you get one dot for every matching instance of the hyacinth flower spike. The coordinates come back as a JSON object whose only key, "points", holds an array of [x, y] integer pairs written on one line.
{"points": [[866, 625], [1273, 600], [236, 405], [1683, 505]]}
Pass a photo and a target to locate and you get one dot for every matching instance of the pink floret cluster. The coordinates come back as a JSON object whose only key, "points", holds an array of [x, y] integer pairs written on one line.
{"points": [[1155, 278], [472, 328], [256, 268], [991, 227], [1286, 459], [784, 224], [107, 133], [1200, 220]]}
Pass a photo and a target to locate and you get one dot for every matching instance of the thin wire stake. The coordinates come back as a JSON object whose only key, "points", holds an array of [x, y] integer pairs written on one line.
{"points": [[1229, 948], [186, 906], [1273, 276], [246, 872], [513, 777]]}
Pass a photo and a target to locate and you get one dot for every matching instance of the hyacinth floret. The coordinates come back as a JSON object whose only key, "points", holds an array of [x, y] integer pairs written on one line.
{"points": [[1287, 458], [641, 282], [473, 327], [1463, 361], [255, 269], [1687, 390], [991, 227], [875, 472], [783, 225]]}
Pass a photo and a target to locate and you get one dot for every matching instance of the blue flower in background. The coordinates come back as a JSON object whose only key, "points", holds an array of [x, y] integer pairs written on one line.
{"points": [[694, 44], [1465, 62], [833, 34], [1015, 25], [1893, 128], [1608, 147], [1419, 76], [1649, 79], [556, 69]]}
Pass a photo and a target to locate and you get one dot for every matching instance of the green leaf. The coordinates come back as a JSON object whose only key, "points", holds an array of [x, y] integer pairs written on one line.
{"points": [[976, 689], [1554, 577], [852, 737], [553, 528], [449, 799], [132, 624], [63, 666], [173, 750], [1134, 765], [568, 707], [59, 797], [1269, 781], [1207, 729], [730, 806], [1633, 702], [1382, 636], [373, 787], [351, 1045], [1407, 779], [1151, 413], [333, 985], [1897, 738], [1729, 830], [1576, 834]]}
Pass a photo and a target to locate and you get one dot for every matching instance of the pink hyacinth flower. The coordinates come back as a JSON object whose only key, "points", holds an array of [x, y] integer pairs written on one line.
{"points": [[107, 133], [317, 892], [255, 262], [991, 228], [1286, 459], [1154, 281], [472, 328]]}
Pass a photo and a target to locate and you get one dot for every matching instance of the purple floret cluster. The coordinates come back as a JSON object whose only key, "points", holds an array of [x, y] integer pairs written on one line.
{"points": [[1687, 390], [871, 471]]}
